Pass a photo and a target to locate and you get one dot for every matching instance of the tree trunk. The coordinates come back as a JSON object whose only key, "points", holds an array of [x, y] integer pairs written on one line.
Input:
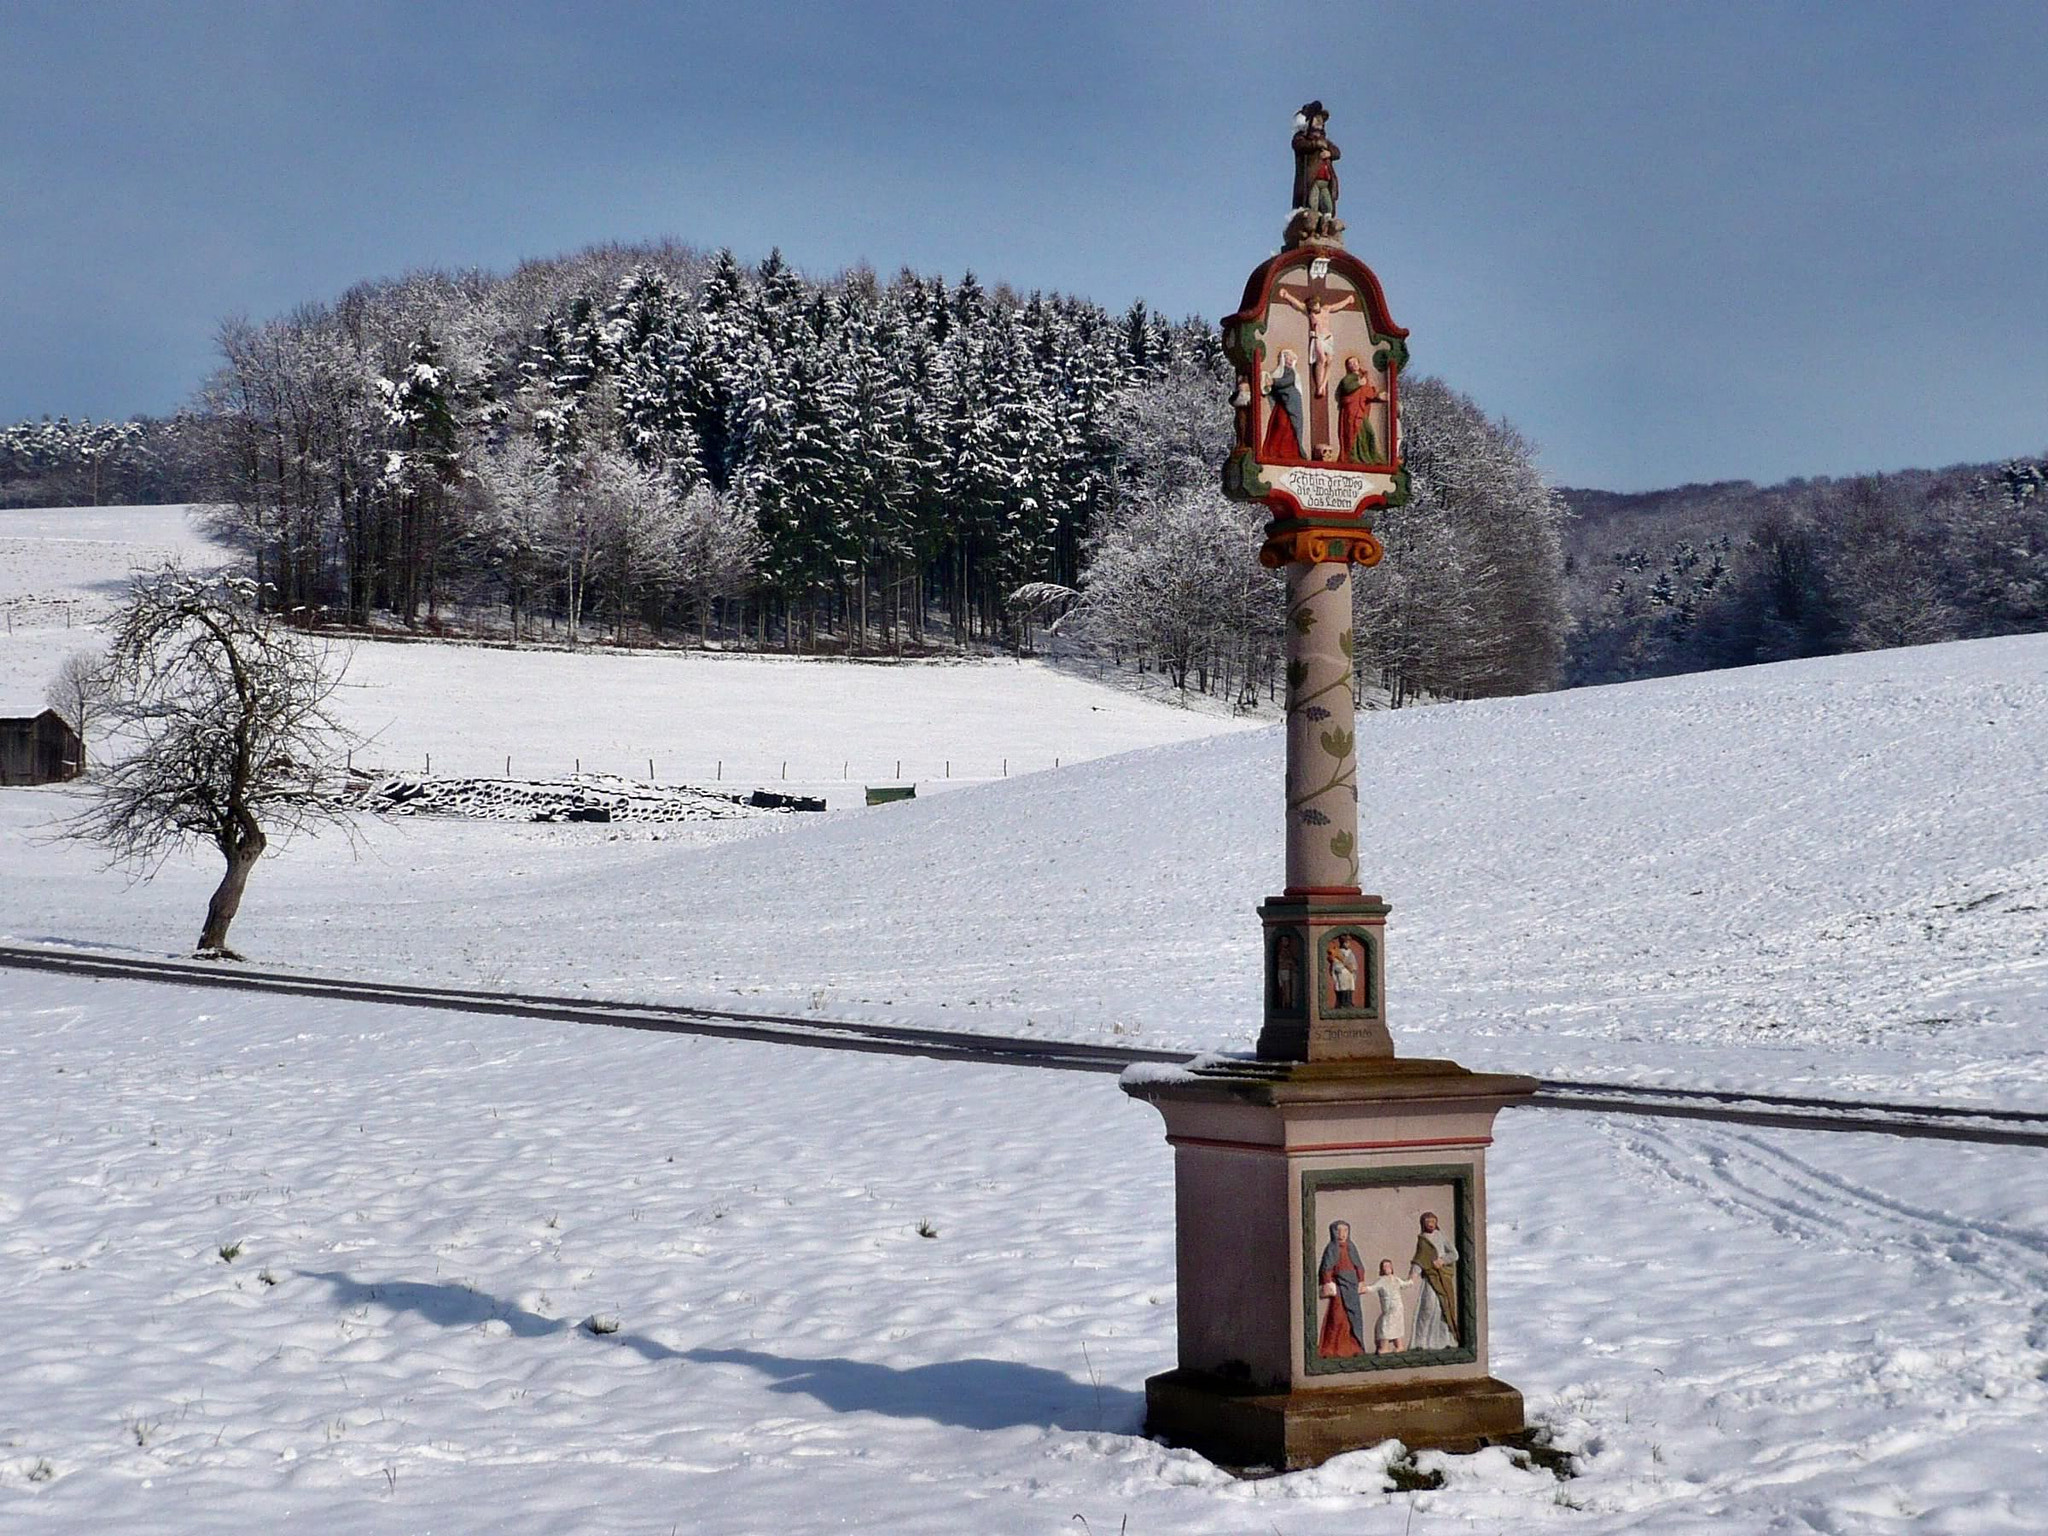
{"points": [[242, 849]]}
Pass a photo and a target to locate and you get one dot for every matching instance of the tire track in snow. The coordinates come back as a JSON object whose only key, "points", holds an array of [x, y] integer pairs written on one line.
{"points": [[1822, 1397], [1746, 1175], [1743, 1174]]}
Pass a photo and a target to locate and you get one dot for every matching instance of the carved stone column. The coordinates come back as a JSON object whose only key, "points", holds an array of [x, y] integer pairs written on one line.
{"points": [[1324, 938]]}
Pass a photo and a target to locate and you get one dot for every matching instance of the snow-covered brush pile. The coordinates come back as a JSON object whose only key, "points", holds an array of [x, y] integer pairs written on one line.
{"points": [[579, 797]]}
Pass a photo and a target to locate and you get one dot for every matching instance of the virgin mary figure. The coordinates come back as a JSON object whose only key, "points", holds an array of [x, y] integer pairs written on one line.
{"points": [[1285, 427], [1338, 1276]]}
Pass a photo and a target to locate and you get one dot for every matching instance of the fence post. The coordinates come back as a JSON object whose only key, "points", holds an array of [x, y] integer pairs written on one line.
{"points": [[508, 765], [650, 770], [721, 770], [430, 762], [1006, 767], [785, 769], [949, 767]]}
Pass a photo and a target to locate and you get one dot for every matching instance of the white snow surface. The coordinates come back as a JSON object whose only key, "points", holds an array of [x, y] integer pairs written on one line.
{"points": [[802, 725], [64, 569], [1735, 1331], [1825, 875]]}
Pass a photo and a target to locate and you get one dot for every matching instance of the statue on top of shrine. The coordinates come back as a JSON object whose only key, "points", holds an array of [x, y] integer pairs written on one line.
{"points": [[1315, 180]]}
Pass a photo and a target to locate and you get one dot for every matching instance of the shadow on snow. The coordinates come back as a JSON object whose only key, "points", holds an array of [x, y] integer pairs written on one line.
{"points": [[973, 1394], [969, 1394]]}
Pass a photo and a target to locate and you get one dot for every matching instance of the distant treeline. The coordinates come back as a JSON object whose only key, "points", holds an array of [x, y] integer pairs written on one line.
{"points": [[664, 443], [657, 443], [657, 438], [1730, 574], [873, 452], [86, 463]]}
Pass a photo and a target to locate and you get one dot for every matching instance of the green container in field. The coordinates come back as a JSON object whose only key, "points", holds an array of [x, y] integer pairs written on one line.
{"points": [[883, 794]]}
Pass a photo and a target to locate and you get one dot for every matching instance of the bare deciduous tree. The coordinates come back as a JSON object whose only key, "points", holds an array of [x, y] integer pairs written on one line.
{"points": [[75, 693], [219, 714], [721, 548], [1178, 578]]}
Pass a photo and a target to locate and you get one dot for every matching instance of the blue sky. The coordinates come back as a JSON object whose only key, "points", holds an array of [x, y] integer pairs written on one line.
{"points": [[1669, 241]]}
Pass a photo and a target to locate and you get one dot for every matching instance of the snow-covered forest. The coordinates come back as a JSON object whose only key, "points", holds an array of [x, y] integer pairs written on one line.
{"points": [[649, 443], [86, 463], [1731, 574]]}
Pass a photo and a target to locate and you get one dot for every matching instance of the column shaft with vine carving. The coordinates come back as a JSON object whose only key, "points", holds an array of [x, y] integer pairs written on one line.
{"points": [[1322, 736]]}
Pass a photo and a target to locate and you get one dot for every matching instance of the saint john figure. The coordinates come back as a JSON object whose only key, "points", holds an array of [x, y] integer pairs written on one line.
{"points": [[1338, 1276], [1355, 395]]}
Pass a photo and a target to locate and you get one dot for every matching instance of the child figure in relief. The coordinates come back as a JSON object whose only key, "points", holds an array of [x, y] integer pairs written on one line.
{"points": [[1393, 1324]]}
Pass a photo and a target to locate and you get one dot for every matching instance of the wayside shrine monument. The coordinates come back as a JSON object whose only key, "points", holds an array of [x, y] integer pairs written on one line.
{"points": [[1330, 1195]]}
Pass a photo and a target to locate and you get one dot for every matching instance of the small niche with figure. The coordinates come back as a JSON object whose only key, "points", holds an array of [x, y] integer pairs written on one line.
{"points": [[1347, 973], [1284, 980]]}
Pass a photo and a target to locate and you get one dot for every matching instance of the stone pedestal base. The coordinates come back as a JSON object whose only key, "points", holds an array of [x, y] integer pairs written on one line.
{"points": [[1330, 1246], [1241, 1428]]}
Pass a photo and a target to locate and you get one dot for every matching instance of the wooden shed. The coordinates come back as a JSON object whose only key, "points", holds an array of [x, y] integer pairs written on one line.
{"points": [[39, 749]]}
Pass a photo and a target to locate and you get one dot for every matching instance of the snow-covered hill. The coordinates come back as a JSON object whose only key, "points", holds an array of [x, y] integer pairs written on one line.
{"points": [[1820, 873]]}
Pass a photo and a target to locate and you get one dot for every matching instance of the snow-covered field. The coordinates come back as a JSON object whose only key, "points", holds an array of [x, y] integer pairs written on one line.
{"points": [[1737, 1332], [1828, 874], [797, 725], [803, 725], [64, 569], [1823, 875]]}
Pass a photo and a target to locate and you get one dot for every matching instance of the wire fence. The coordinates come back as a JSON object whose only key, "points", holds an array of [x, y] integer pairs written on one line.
{"points": [[746, 773]]}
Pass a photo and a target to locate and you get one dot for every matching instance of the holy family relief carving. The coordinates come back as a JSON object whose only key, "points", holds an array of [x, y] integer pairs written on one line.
{"points": [[1388, 1280]]}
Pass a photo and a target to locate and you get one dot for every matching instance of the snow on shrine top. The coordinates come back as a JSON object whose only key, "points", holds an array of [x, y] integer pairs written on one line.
{"points": [[1318, 363]]}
